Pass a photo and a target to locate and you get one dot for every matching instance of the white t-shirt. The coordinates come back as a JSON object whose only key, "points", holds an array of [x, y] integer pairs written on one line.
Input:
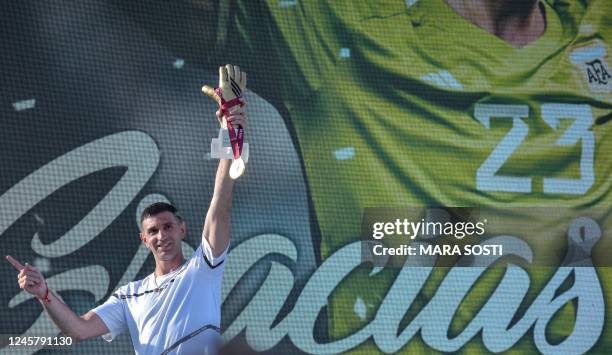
{"points": [[179, 315]]}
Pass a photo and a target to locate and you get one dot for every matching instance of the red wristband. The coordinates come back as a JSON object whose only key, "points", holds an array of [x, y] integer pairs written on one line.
{"points": [[46, 298]]}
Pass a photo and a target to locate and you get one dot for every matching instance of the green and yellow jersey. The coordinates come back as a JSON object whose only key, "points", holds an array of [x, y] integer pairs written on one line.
{"points": [[406, 103]]}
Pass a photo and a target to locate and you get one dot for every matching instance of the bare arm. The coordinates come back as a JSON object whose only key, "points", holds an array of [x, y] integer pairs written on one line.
{"points": [[217, 223], [80, 328]]}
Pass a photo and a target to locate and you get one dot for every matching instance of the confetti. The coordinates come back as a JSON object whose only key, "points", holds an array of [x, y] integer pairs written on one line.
{"points": [[24, 104]]}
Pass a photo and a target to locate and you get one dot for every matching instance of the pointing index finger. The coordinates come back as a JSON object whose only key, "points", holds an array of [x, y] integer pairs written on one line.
{"points": [[14, 262]]}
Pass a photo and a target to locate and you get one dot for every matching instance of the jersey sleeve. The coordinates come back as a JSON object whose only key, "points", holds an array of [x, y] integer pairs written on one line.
{"points": [[207, 263], [211, 262], [112, 313]]}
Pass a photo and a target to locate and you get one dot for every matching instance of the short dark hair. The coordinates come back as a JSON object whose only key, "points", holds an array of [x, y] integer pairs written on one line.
{"points": [[157, 208]]}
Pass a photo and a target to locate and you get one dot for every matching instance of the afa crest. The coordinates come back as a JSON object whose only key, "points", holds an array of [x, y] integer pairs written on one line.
{"points": [[597, 72], [592, 61]]}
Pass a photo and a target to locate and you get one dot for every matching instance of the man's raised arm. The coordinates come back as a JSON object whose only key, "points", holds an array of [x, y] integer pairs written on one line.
{"points": [[217, 224], [232, 106]]}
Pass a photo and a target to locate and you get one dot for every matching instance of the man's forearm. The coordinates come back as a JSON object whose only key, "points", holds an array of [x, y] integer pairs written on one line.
{"points": [[224, 187], [63, 317], [217, 224]]}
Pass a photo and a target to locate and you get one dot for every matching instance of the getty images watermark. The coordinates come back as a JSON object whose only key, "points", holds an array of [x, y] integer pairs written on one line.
{"points": [[443, 236], [431, 229]]}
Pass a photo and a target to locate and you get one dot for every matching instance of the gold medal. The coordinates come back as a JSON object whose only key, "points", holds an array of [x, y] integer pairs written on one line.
{"points": [[237, 168]]}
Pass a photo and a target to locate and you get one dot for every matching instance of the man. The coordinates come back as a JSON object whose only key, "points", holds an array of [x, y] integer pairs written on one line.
{"points": [[177, 308]]}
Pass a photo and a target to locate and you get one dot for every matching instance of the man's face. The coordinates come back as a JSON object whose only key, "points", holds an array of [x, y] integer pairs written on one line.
{"points": [[162, 234]]}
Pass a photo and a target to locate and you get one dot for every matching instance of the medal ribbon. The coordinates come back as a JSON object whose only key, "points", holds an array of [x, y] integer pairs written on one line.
{"points": [[236, 134]]}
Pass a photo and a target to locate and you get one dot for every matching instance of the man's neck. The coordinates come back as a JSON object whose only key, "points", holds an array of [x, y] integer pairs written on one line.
{"points": [[163, 267], [518, 22]]}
